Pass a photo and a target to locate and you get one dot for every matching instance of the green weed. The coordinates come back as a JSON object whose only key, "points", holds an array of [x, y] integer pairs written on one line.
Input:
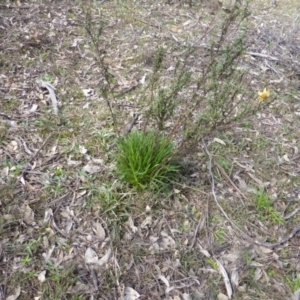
{"points": [[26, 260], [265, 209], [220, 235], [58, 280], [189, 260], [212, 263], [48, 78], [294, 282]]}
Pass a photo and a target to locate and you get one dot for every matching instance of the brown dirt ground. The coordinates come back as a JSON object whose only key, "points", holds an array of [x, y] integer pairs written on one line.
{"points": [[71, 230]]}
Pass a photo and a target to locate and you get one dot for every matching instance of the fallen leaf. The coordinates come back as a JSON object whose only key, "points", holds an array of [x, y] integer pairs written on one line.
{"points": [[33, 108], [28, 214], [99, 231], [146, 222], [143, 79], [286, 157], [225, 279], [234, 278], [219, 141], [16, 294], [48, 215], [71, 162], [265, 250], [49, 253], [130, 223], [87, 92], [91, 169], [105, 258], [82, 149], [76, 42], [205, 252], [164, 280], [52, 95], [42, 276], [257, 274], [67, 213], [90, 256], [186, 296], [130, 294], [222, 297]]}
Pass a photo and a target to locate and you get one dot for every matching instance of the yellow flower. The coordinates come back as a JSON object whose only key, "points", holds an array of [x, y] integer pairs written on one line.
{"points": [[264, 95]]}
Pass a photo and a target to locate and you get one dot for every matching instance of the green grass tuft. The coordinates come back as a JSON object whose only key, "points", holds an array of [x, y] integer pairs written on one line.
{"points": [[144, 159], [265, 209]]}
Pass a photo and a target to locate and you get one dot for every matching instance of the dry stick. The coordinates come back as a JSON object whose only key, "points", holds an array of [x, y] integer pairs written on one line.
{"points": [[128, 129], [196, 232], [60, 199], [6, 116], [133, 122], [36, 153], [231, 182], [292, 213], [267, 245], [262, 55], [215, 196], [95, 278], [8, 6], [191, 188], [285, 239], [39, 150]]}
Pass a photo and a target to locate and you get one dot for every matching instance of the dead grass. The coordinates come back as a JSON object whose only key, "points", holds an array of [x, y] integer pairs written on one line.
{"points": [[70, 230]]}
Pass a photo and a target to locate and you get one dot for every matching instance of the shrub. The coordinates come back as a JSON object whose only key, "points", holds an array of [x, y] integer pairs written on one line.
{"points": [[205, 90]]}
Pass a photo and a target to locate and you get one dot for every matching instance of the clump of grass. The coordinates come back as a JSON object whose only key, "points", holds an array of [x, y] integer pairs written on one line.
{"points": [[265, 209], [144, 159]]}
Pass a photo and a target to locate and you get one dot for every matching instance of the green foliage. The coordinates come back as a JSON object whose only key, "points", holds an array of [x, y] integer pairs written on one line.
{"points": [[49, 78], [265, 209], [144, 159], [111, 202], [212, 263], [294, 282]]}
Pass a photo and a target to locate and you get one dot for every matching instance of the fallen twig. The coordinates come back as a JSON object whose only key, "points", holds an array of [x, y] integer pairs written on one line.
{"points": [[262, 55], [6, 116], [133, 122], [39, 150], [216, 200], [14, 6], [231, 182], [283, 240], [292, 213]]}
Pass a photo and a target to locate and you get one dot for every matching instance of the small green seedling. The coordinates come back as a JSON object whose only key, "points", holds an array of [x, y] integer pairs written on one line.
{"points": [[265, 209]]}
